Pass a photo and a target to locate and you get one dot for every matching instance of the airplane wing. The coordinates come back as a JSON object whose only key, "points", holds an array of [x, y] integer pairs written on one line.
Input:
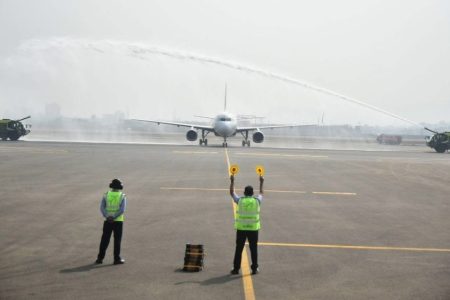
{"points": [[243, 129], [196, 126]]}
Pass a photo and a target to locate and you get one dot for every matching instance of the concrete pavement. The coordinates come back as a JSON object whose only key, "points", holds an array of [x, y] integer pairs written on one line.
{"points": [[335, 224]]}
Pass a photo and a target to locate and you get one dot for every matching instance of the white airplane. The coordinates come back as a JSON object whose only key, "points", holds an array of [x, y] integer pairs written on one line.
{"points": [[223, 125]]}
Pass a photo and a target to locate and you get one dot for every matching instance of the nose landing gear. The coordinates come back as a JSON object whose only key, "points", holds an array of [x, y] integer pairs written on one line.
{"points": [[224, 144]]}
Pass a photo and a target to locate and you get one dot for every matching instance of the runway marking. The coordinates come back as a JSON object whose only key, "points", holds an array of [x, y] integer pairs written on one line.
{"points": [[267, 191], [292, 192], [335, 193], [249, 291], [191, 189], [31, 150], [280, 155], [195, 152], [354, 247]]}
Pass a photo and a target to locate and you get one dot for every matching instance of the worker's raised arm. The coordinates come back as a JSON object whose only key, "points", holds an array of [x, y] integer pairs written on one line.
{"points": [[261, 184], [232, 185]]}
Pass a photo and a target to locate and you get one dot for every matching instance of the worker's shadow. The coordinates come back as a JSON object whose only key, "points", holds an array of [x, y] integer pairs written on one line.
{"points": [[220, 279], [214, 280], [85, 268]]}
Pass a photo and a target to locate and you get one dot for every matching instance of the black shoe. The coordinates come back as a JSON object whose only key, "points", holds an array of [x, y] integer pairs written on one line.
{"points": [[255, 271], [234, 272], [99, 261], [119, 261]]}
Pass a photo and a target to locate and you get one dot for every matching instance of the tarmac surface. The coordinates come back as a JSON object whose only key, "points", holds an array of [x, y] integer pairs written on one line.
{"points": [[335, 224]]}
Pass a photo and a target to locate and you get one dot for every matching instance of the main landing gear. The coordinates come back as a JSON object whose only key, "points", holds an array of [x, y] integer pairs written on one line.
{"points": [[246, 141], [203, 140]]}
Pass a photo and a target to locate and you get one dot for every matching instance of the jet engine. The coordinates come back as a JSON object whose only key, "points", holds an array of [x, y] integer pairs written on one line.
{"points": [[258, 137], [191, 135]]}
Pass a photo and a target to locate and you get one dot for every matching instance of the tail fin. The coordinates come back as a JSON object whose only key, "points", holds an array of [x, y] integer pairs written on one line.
{"points": [[225, 104]]}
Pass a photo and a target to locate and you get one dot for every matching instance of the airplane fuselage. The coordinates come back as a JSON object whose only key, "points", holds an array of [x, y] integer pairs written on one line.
{"points": [[225, 125]]}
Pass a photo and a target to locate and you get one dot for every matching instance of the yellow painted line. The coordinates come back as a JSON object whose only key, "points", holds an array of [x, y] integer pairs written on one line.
{"points": [[221, 190], [249, 291], [335, 193], [354, 247], [279, 191], [31, 150], [191, 189], [195, 152], [267, 191], [280, 155]]}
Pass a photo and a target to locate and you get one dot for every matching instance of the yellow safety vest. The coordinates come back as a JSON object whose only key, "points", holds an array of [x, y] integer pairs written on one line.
{"points": [[247, 214], [113, 201]]}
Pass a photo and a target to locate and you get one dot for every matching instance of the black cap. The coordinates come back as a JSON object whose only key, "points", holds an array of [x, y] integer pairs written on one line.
{"points": [[116, 184], [248, 191]]}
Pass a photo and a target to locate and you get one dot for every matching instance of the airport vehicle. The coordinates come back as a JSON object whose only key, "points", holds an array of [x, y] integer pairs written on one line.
{"points": [[389, 139], [440, 141], [13, 129]]}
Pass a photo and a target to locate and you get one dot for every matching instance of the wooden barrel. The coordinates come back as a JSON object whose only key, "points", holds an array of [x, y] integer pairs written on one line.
{"points": [[193, 258]]}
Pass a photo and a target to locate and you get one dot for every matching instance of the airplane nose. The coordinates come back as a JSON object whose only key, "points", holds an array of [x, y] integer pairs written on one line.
{"points": [[222, 130]]}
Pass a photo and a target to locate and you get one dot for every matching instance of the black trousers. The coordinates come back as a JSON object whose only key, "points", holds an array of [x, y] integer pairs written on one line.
{"points": [[241, 236], [108, 229]]}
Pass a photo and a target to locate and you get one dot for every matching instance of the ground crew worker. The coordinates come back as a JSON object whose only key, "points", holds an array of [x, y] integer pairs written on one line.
{"points": [[112, 207], [247, 224]]}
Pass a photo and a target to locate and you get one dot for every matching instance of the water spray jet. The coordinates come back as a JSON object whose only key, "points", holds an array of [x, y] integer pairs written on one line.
{"points": [[141, 51]]}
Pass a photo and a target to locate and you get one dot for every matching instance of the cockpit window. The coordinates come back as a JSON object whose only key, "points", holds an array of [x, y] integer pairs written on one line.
{"points": [[225, 119]]}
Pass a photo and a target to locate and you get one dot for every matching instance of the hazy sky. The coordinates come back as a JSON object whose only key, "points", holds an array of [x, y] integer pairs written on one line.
{"points": [[89, 58]]}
